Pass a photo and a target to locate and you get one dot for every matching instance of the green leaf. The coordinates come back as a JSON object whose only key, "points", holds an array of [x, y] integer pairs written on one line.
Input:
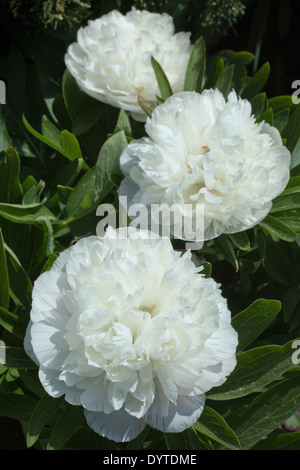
{"points": [[123, 124], [281, 119], [69, 148], [224, 246], [16, 406], [292, 130], [286, 441], [10, 187], [252, 321], [4, 279], [87, 117], [215, 69], [74, 98], [20, 284], [69, 422], [196, 67], [259, 103], [240, 240], [290, 218], [207, 268], [13, 323], [145, 108], [268, 411], [70, 145], [257, 82], [5, 140], [84, 198], [255, 369], [267, 116], [278, 228], [44, 411], [280, 102], [17, 358], [224, 82], [50, 131], [108, 162], [214, 426], [176, 441], [242, 57], [162, 80], [26, 214], [286, 201]]}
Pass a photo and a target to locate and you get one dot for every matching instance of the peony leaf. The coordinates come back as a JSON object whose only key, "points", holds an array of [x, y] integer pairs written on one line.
{"points": [[252, 321], [108, 162], [16, 406], [10, 187], [196, 67], [278, 228], [17, 358], [13, 323], [69, 422], [285, 441], [225, 247], [255, 369], [224, 82], [240, 240], [214, 426], [20, 284], [162, 80], [84, 198], [215, 69], [5, 140], [123, 124], [86, 118], [259, 103], [4, 280], [268, 411], [70, 145], [44, 411], [257, 82], [242, 58], [292, 130]]}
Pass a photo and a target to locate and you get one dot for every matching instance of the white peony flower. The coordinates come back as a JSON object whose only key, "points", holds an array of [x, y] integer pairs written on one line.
{"points": [[204, 150], [130, 330], [111, 60]]}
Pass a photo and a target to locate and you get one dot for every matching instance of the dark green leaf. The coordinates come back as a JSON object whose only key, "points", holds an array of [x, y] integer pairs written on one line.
{"points": [[86, 118], [257, 82], [240, 240], [268, 411], [4, 280], [251, 322], [13, 323], [108, 162], [213, 425], [255, 369], [45, 409], [196, 67], [224, 246], [292, 130], [10, 187], [224, 82], [66, 426], [84, 198], [278, 228], [162, 80], [242, 57], [16, 406], [258, 104], [286, 441], [17, 357]]}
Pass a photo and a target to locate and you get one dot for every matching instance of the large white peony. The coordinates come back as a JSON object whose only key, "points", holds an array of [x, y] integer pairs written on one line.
{"points": [[129, 329], [111, 60], [204, 150]]}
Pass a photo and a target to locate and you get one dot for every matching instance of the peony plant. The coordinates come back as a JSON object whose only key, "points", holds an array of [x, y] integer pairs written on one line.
{"points": [[133, 342]]}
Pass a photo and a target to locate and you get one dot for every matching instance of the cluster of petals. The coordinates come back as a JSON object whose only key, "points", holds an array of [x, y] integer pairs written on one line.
{"points": [[130, 329], [202, 150], [111, 60]]}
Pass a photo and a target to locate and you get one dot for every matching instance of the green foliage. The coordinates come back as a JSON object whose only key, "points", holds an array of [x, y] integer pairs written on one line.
{"points": [[57, 164]]}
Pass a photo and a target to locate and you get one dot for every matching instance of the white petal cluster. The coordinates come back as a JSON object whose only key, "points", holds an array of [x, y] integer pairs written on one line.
{"points": [[204, 150], [129, 329], [111, 60]]}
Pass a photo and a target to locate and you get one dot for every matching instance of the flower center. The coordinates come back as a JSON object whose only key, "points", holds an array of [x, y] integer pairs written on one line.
{"points": [[150, 310]]}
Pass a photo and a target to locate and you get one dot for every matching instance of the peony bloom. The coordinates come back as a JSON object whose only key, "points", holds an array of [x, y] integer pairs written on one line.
{"points": [[130, 330], [111, 60], [204, 150]]}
